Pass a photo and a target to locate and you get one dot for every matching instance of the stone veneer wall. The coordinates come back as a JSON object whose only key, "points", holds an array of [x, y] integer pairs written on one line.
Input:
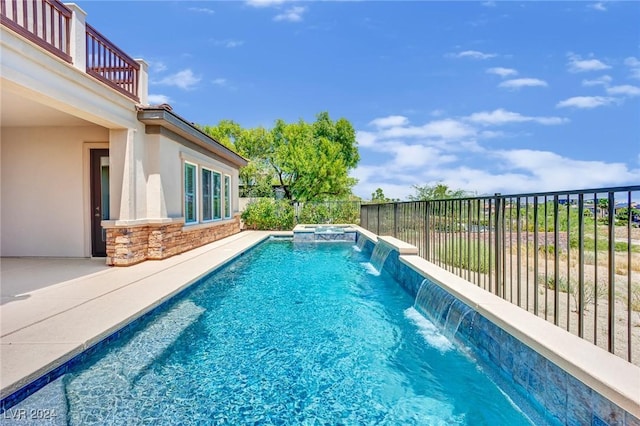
{"points": [[129, 245]]}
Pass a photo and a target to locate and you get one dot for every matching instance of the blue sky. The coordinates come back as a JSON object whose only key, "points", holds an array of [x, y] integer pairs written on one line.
{"points": [[487, 97]]}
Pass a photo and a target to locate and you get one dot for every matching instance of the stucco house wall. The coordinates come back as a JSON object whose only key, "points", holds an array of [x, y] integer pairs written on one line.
{"points": [[43, 186], [172, 173]]}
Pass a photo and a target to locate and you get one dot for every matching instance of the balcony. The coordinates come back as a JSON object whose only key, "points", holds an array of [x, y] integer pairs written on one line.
{"points": [[61, 30]]}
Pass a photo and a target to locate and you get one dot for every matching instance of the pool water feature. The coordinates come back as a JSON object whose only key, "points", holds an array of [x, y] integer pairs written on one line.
{"points": [[286, 334], [320, 233], [379, 256], [442, 308], [360, 244]]}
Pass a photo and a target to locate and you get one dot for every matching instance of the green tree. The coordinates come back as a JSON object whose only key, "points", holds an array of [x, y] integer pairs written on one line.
{"points": [[253, 144], [622, 215], [439, 191], [379, 197], [311, 161], [227, 132]]}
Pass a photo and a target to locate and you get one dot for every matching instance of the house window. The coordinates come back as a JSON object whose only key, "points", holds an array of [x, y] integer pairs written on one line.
{"points": [[227, 196], [207, 196], [217, 211], [190, 205]]}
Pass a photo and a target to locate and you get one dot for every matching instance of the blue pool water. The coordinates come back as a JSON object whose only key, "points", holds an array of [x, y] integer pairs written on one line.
{"points": [[286, 334]]}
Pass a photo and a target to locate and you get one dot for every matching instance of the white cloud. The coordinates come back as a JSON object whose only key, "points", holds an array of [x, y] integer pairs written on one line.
{"points": [[416, 156], [500, 117], [157, 99], [598, 6], [554, 171], [228, 43], [293, 14], [605, 80], [507, 172], [390, 121], [489, 4], [586, 102], [220, 81], [365, 139], [502, 72], [408, 155], [157, 66], [265, 3], [184, 79], [634, 64], [518, 83], [204, 10], [577, 64], [624, 90], [440, 129], [473, 54]]}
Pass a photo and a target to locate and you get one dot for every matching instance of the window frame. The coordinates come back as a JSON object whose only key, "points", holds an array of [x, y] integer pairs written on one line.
{"points": [[193, 193], [227, 197], [217, 215], [206, 181]]}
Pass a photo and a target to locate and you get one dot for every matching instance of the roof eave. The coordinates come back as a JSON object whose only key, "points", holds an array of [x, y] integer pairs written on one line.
{"points": [[159, 116]]}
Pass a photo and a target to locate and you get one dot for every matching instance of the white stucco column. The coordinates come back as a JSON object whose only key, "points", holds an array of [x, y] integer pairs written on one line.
{"points": [[78, 37], [143, 82], [122, 174], [156, 202]]}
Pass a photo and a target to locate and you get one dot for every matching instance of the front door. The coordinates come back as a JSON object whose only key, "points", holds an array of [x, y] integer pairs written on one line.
{"points": [[99, 200]]}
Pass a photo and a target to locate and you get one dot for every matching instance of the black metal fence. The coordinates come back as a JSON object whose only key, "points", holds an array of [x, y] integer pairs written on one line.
{"points": [[571, 257]]}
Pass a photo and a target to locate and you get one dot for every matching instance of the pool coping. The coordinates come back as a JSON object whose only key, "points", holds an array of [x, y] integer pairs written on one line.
{"points": [[54, 324], [611, 376]]}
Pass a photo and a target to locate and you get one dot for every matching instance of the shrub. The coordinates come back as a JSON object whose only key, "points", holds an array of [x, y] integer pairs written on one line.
{"points": [[314, 213], [330, 212], [546, 249], [550, 282], [269, 214], [591, 292]]}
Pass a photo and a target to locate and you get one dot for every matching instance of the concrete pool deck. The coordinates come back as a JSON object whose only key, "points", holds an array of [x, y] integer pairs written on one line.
{"points": [[53, 309]]}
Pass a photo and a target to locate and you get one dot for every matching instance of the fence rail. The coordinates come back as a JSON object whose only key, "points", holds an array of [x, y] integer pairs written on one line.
{"points": [[570, 257], [109, 64], [44, 22]]}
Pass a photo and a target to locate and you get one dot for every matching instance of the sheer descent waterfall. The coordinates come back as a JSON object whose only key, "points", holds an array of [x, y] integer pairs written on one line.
{"points": [[441, 307], [379, 255]]}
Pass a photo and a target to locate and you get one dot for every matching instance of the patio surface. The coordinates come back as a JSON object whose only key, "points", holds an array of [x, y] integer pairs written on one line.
{"points": [[53, 309]]}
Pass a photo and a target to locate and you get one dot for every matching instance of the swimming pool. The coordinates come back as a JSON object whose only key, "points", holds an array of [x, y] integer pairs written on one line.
{"points": [[287, 334]]}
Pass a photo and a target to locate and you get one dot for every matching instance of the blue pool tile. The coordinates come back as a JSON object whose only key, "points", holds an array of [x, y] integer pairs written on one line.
{"points": [[578, 402], [537, 384], [506, 360], [555, 400], [597, 421], [607, 410], [631, 420], [522, 365]]}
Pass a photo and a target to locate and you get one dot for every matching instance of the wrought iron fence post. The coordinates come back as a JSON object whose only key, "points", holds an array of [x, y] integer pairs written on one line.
{"points": [[427, 250], [395, 220], [580, 265], [611, 203], [556, 261], [499, 232]]}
